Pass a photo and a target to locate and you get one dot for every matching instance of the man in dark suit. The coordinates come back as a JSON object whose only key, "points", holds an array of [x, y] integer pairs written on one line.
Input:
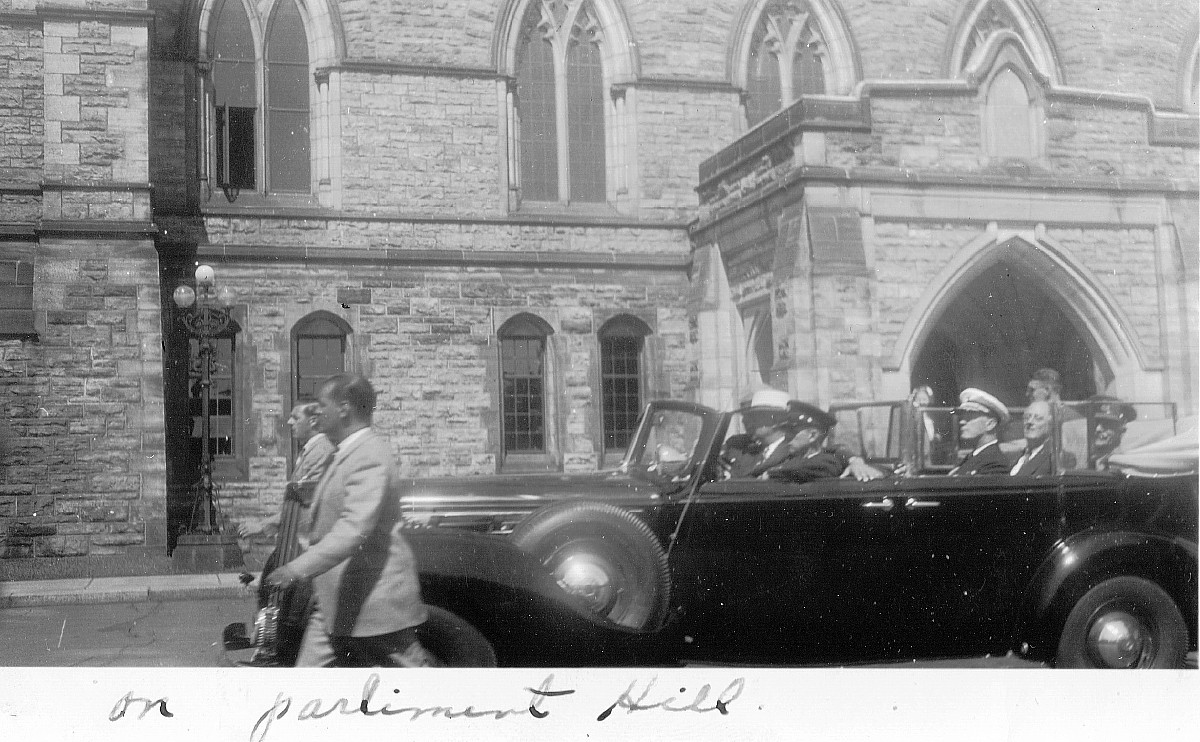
{"points": [[1035, 459], [1108, 418], [980, 416], [808, 458], [368, 599]]}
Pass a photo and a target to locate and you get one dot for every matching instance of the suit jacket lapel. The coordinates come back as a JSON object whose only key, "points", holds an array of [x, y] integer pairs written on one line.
{"points": [[780, 453], [340, 453]]}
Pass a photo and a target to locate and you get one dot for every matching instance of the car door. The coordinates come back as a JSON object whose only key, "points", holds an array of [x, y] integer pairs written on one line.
{"points": [[970, 547], [771, 572]]}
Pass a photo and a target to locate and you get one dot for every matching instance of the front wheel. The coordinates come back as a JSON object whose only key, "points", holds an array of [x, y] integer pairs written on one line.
{"points": [[1124, 622], [605, 556]]}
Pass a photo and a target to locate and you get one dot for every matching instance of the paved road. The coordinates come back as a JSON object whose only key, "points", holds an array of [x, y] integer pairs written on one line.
{"points": [[146, 634], [188, 633]]}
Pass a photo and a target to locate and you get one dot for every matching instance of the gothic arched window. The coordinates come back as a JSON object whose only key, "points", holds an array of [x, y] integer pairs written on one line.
{"points": [[259, 137], [523, 384], [787, 58], [565, 130], [622, 340], [318, 352]]}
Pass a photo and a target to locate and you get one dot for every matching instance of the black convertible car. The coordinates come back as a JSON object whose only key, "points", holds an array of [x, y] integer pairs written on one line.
{"points": [[664, 561]]}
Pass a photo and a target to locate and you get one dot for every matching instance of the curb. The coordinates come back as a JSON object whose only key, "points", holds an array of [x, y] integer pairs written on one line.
{"points": [[87, 591]]}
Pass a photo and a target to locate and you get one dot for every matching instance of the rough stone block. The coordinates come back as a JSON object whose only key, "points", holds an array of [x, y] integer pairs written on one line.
{"points": [[63, 546]]}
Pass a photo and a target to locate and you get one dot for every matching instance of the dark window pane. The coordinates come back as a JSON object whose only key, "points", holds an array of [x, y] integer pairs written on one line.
{"points": [[763, 96], [764, 346], [287, 102], [522, 364], [233, 58], [585, 121], [537, 122], [808, 75], [621, 384], [235, 147], [320, 353], [287, 85], [289, 161]]}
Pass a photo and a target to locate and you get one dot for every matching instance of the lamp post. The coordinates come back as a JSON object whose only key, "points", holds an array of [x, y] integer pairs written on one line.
{"points": [[205, 314]]}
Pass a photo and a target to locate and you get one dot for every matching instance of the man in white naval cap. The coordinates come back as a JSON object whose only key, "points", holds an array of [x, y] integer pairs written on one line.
{"points": [[980, 416]]}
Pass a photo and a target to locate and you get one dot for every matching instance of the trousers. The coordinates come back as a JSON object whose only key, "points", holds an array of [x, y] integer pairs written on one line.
{"points": [[395, 649]]}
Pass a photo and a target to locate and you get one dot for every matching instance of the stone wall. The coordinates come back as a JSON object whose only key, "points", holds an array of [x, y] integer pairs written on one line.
{"points": [[21, 96], [85, 474], [421, 144], [1100, 139], [676, 131], [84, 470], [426, 338]]}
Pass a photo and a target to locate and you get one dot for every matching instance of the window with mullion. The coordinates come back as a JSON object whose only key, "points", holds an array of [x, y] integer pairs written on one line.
{"points": [[253, 128], [320, 352], [785, 59], [621, 381], [560, 105], [523, 386]]}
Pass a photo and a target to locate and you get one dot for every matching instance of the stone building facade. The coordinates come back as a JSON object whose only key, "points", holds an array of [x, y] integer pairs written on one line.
{"points": [[523, 218]]}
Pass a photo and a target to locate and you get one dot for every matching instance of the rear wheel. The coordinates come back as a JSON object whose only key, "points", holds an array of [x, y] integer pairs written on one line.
{"points": [[453, 641], [605, 556], [1124, 622]]}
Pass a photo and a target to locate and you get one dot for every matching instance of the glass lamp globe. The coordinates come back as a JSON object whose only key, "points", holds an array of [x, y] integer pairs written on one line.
{"points": [[205, 276], [225, 297], [184, 297]]}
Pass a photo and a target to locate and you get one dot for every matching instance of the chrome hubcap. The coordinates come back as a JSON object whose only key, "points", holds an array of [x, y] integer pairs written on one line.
{"points": [[589, 577], [1119, 639]]}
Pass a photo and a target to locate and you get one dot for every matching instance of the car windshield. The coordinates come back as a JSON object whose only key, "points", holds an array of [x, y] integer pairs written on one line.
{"points": [[665, 449]]}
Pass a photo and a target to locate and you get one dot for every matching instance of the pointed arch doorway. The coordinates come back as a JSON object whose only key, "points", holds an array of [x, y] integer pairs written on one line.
{"points": [[1003, 325]]}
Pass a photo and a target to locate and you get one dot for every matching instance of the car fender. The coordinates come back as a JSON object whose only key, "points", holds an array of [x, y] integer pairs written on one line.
{"points": [[514, 602], [1084, 559]]}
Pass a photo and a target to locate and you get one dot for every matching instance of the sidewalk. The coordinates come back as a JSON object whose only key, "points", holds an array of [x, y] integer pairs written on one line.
{"points": [[27, 593]]}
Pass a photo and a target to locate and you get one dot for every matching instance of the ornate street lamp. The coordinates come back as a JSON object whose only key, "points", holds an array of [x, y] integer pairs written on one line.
{"points": [[205, 314]]}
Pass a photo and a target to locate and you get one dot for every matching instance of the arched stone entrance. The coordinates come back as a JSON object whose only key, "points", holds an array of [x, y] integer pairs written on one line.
{"points": [[1001, 327], [1006, 305]]}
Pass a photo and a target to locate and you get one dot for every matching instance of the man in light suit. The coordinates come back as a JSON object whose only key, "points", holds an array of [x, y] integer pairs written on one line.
{"points": [[368, 599], [310, 464], [298, 496]]}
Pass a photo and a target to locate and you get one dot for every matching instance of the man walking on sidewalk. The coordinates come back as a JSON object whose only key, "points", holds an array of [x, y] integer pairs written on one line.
{"points": [[368, 599]]}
